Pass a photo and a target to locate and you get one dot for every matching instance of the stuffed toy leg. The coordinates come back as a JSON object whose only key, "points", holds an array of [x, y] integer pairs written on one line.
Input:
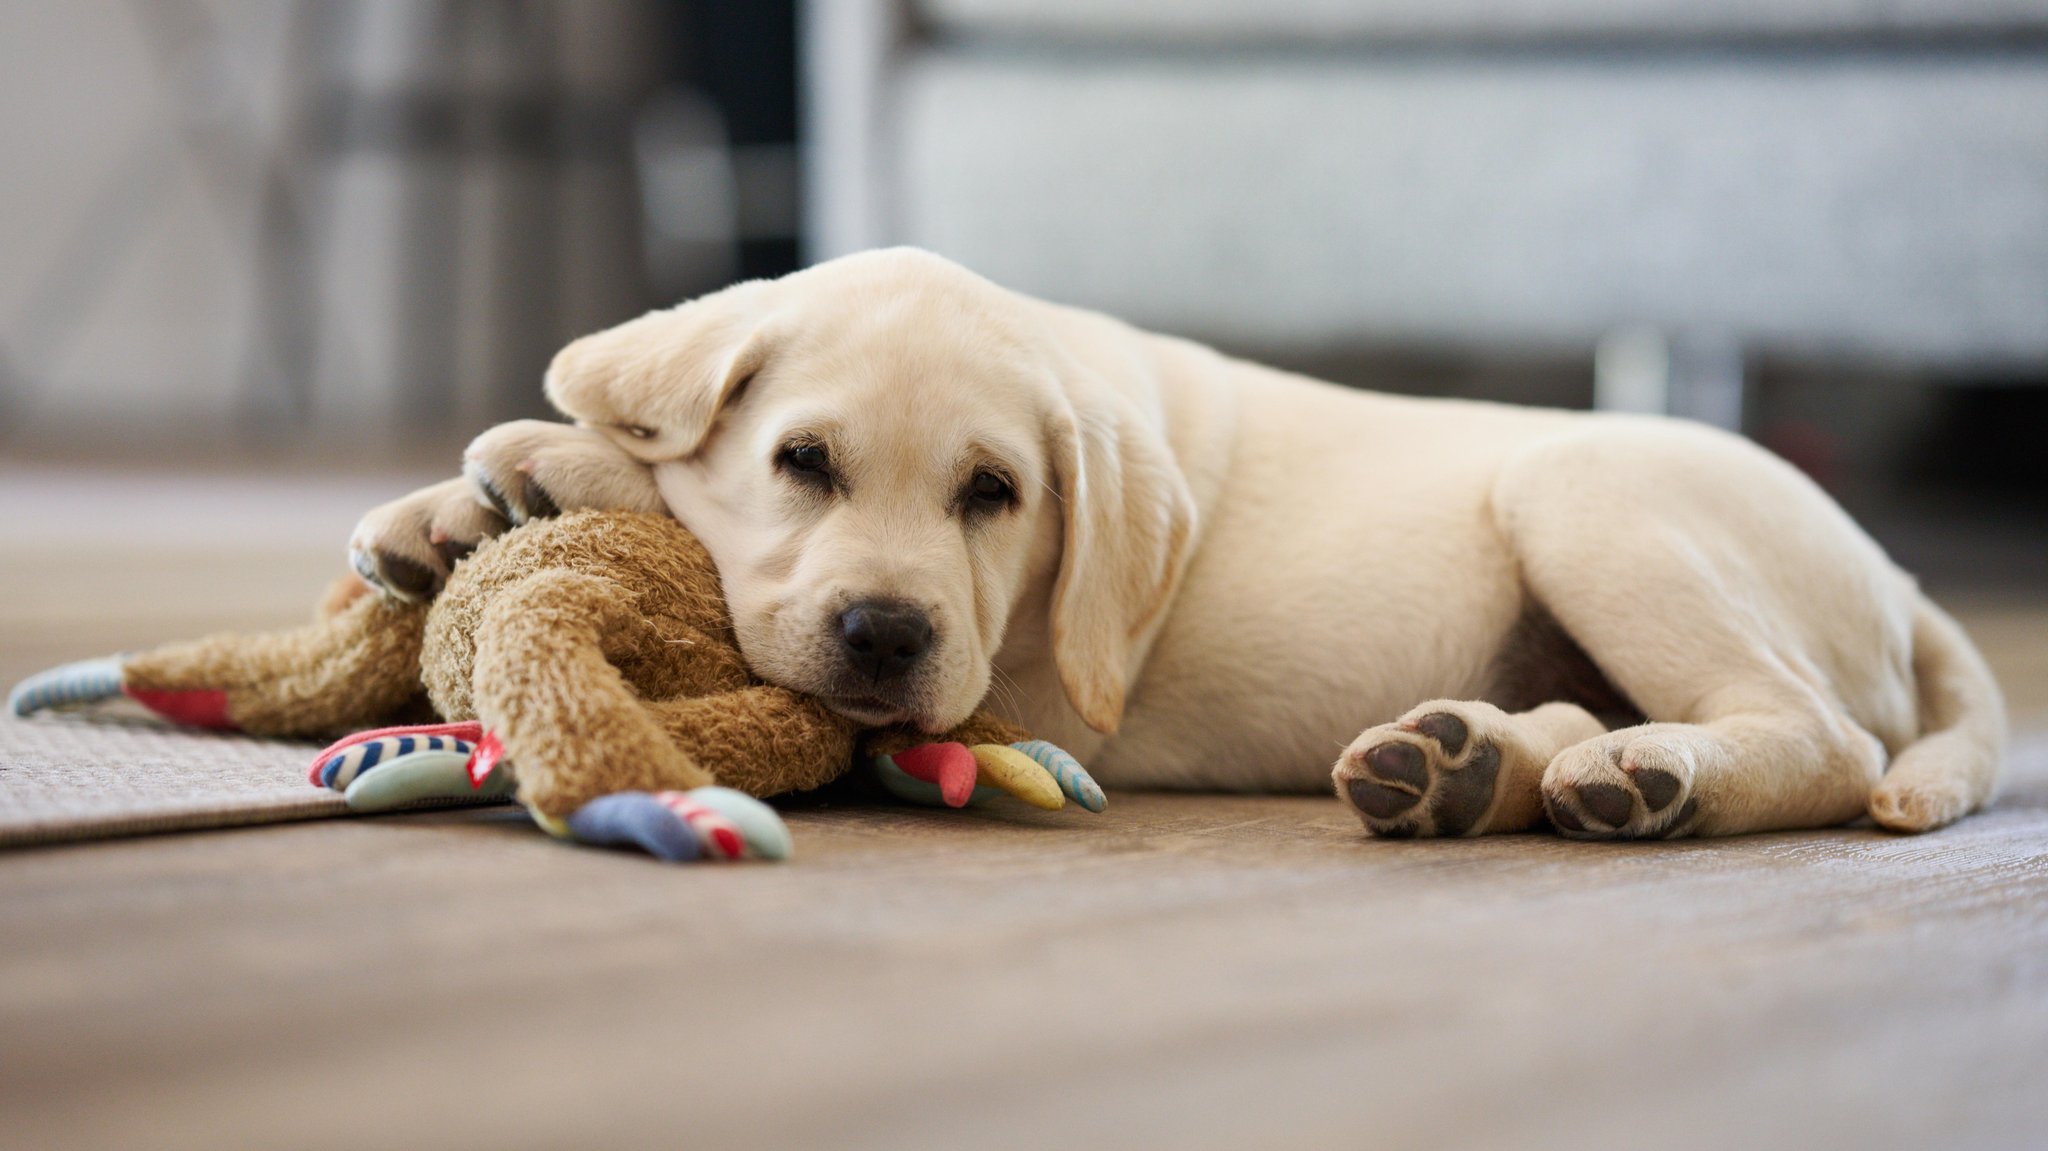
{"points": [[357, 668]]}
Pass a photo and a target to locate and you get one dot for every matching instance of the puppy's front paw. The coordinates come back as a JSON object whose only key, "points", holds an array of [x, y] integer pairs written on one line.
{"points": [[533, 469], [407, 547]]}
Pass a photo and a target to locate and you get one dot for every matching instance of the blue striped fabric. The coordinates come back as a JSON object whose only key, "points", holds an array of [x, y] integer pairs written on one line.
{"points": [[352, 761], [1073, 778], [87, 681], [713, 823]]}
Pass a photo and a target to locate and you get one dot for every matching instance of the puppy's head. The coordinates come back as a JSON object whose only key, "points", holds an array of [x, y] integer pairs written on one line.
{"points": [[890, 459]]}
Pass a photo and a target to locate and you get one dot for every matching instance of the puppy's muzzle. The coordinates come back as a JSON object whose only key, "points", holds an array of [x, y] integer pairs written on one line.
{"points": [[883, 641]]}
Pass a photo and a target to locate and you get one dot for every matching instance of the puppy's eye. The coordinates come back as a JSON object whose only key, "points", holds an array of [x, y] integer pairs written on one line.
{"points": [[990, 491], [805, 458], [637, 431], [807, 464]]}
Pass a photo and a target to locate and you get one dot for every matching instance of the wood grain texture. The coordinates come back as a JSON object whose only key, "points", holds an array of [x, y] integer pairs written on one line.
{"points": [[1188, 971]]}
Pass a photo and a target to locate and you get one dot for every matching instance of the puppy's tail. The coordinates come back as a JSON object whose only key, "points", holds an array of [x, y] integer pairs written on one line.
{"points": [[1952, 769]]}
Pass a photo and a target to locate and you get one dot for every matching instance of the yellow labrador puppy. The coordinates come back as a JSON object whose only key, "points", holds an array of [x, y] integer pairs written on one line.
{"points": [[1196, 572]]}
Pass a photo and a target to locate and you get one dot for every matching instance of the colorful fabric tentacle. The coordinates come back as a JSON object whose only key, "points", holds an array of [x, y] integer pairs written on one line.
{"points": [[340, 770], [1073, 779], [398, 767], [470, 733], [714, 823], [948, 766], [911, 789], [71, 685], [1037, 772], [1018, 774], [422, 777]]}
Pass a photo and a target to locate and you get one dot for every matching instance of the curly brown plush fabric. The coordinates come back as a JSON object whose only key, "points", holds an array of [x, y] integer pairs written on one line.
{"points": [[597, 646], [355, 669]]}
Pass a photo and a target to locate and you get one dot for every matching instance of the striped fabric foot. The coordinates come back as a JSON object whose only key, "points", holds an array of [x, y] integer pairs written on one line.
{"points": [[405, 767], [72, 685], [425, 776], [339, 770], [338, 763], [1067, 771], [93, 681], [714, 823]]}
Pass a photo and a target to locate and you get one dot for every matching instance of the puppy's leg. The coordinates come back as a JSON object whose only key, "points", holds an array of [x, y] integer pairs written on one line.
{"points": [[528, 469], [1755, 768], [1457, 767], [533, 469], [407, 546], [1735, 607]]}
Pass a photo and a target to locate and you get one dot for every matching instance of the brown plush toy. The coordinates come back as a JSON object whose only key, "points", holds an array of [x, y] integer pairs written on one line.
{"points": [[595, 655]]}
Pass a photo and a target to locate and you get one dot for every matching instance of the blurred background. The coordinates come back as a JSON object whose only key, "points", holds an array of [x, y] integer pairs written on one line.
{"points": [[264, 263]]}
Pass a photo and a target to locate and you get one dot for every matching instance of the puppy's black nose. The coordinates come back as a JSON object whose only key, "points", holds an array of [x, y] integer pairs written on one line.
{"points": [[884, 639]]}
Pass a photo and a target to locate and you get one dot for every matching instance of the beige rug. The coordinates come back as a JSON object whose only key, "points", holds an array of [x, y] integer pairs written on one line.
{"points": [[70, 777]]}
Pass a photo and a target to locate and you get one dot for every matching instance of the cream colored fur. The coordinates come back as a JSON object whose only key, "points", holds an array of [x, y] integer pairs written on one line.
{"points": [[1215, 574]]}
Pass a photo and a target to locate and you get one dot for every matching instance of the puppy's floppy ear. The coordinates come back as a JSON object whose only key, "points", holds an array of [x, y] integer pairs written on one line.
{"points": [[658, 382], [1128, 518]]}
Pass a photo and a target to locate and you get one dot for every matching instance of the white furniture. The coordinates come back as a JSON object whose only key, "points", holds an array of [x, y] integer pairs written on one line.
{"points": [[1864, 179]]}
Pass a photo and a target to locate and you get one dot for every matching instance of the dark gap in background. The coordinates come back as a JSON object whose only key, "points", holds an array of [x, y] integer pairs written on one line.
{"points": [[742, 54]]}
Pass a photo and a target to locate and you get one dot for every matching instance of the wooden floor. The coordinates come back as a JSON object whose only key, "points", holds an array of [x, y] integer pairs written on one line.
{"points": [[1179, 971]]}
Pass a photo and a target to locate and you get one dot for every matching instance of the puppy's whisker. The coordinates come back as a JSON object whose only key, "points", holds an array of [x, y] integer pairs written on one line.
{"points": [[1009, 694], [1004, 697]]}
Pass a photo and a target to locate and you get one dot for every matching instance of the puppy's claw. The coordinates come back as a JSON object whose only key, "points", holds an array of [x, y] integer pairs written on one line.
{"points": [[407, 547], [396, 575], [539, 504], [491, 492]]}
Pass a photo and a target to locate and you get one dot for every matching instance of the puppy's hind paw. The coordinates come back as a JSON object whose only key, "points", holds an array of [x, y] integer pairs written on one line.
{"points": [[1435, 772], [1912, 808], [1624, 785]]}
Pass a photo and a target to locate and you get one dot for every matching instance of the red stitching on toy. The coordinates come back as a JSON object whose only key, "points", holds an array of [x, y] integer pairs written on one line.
{"points": [[484, 759]]}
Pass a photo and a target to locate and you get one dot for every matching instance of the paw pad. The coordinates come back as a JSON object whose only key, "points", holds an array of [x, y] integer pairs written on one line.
{"points": [[1624, 798], [1657, 787], [1431, 775]]}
